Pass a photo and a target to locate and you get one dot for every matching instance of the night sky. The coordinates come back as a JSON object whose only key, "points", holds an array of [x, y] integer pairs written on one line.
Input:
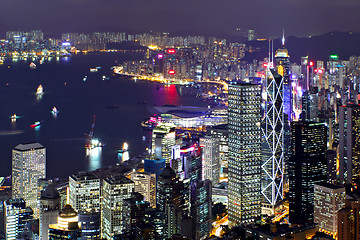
{"points": [[267, 17]]}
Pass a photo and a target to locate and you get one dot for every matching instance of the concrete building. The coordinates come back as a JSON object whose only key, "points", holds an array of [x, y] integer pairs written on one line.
{"points": [[328, 200]]}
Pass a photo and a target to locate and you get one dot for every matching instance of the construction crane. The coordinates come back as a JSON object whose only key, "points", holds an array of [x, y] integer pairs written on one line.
{"points": [[89, 137]]}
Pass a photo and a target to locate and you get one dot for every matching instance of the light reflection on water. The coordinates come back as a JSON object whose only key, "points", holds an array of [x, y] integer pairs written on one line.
{"points": [[93, 158]]}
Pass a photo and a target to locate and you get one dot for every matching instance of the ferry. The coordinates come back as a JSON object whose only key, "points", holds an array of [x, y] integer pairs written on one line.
{"points": [[1, 61], [39, 90], [54, 111], [13, 118], [85, 78], [94, 69], [36, 124], [32, 65], [117, 69]]}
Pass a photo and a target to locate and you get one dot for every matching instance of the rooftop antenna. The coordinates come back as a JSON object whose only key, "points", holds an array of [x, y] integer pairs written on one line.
{"points": [[272, 51], [283, 38], [269, 52]]}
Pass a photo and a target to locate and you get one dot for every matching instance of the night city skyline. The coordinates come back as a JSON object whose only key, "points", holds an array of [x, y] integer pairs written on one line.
{"points": [[179, 120]]}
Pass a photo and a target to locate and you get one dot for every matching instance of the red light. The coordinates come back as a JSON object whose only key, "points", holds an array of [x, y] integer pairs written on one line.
{"points": [[320, 71], [171, 51], [311, 64], [171, 72], [316, 70], [265, 65]]}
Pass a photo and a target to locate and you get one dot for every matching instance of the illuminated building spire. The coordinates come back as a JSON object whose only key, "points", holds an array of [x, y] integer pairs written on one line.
{"points": [[283, 38]]}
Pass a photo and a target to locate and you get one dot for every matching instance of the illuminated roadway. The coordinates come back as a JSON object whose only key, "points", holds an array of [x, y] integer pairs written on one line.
{"points": [[217, 225]]}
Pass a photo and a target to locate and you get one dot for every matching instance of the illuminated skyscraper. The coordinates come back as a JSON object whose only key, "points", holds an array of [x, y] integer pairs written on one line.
{"points": [[210, 158], [349, 143], [84, 192], [272, 126], [145, 184], [114, 220], [173, 200], [28, 166], [328, 200], [50, 202], [307, 166], [163, 139], [16, 215], [244, 153]]}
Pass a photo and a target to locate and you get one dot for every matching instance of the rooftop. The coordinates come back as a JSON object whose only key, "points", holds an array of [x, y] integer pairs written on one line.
{"points": [[28, 146]]}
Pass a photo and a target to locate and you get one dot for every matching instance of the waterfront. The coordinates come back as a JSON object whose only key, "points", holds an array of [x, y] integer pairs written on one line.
{"points": [[77, 101]]}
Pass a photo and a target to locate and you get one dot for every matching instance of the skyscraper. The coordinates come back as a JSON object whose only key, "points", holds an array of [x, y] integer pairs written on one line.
{"points": [[16, 215], [28, 166], [244, 153], [163, 138], [272, 126], [84, 192], [50, 205], [211, 158], [349, 220], [307, 166], [328, 200], [173, 200], [114, 220], [349, 143], [145, 184]]}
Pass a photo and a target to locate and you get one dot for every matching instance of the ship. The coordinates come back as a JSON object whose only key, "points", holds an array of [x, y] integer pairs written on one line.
{"points": [[39, 90], [147, 125], [36, 124], [32, 65], [94, 69], [13, 118], [54, 111], [91, 142], [85, 78]]}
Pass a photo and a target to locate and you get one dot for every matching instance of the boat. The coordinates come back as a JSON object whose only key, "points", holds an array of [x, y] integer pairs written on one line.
{"points": [[36, 124], [39, 90], [1, 61], [54, 111], [94, 69], [13, 118], [147, 125], [105, 78], [32, 65], [143, 138], [41, 61], [90, 142], [85, 78]]}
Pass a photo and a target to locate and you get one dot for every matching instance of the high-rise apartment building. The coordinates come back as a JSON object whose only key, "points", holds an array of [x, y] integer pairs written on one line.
{"points": [[307, 166], [328, 200], [244, 153], [84, 192], [349, 143], [28, 166], [272, 126], [145, 184], [114, 220]]}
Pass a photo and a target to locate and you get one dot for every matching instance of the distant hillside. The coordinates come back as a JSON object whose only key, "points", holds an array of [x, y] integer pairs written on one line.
{"points": [[317, 47]]}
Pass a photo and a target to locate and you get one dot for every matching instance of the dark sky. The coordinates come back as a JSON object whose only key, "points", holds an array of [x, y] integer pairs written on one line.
{"points": [[267, 17]]}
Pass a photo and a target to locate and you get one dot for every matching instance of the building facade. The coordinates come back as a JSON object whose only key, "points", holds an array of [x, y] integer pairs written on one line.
{"points": [[84, 192], [307, 166], [28, 166], [328, 200], [145, 184], [244, 153], [114, 220]]}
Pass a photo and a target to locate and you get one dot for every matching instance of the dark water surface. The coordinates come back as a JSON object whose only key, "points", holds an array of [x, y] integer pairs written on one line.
{"points": [[77, 101]]}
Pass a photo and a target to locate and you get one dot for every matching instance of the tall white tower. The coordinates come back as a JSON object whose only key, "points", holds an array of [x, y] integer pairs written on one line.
{"points": [[28, 166], [272, 126]]}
